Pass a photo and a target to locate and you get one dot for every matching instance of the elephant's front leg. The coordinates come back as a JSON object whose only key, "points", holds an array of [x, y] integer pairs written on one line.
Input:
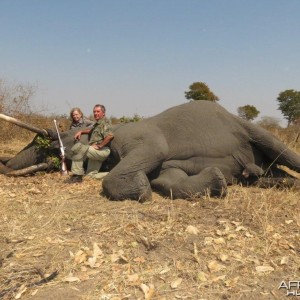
{"points": [[128, 180], [133, 186], [175, 183]]}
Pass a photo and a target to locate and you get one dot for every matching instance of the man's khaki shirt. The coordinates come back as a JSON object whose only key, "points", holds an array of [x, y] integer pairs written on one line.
{"points": [[100, 130]]}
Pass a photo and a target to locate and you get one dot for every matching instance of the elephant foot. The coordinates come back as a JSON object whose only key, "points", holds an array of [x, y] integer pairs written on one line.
{"points": [[210, 181], [176, 184], [136, 187]]}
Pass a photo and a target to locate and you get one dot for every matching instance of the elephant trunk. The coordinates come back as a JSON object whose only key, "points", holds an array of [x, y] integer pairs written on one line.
{"points": [[272, 147], [29, 170], [4, 169]]}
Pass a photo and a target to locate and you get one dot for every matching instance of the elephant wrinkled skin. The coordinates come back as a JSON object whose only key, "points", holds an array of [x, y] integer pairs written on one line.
{"points": [[192, 149], [188, 150]]}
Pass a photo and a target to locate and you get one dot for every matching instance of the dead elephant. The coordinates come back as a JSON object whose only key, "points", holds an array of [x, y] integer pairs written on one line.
{"points": [[188, 150]]}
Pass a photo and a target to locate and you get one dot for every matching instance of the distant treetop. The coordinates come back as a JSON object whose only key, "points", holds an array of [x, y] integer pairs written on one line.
{"points": [[200, 91], [289, 104], [248, 112]]}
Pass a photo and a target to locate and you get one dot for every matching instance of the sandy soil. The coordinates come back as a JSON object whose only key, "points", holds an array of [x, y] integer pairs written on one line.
{"points": [[63, 241]]}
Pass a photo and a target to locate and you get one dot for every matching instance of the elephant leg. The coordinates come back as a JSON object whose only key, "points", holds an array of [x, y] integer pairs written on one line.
{"points": [[133, 186], [167, 179], [177, 184], [128, 179]]}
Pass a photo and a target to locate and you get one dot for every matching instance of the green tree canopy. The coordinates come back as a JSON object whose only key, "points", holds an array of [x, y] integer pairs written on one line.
{"points": [[200, 91], [289, 104], [248, 112]]}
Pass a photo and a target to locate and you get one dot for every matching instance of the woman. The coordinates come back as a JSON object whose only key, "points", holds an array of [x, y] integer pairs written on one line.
{"points": [[78, 120]]}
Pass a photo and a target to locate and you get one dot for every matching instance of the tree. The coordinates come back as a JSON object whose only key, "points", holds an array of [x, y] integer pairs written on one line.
{"points": [[15, 98], [200, 91], [289, 104], [269, 122], [248, 112]]}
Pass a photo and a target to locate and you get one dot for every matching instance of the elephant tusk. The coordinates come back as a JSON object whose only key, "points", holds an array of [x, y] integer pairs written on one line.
{"points": [[29, 170], [289, 171], [24, 125]]}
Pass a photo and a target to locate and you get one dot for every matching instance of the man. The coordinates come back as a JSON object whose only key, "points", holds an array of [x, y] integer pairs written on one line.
{"points": [[97, 149]]}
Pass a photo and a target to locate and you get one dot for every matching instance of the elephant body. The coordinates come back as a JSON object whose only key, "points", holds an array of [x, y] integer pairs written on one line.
{"points": [[191, 149], [188, 150]]}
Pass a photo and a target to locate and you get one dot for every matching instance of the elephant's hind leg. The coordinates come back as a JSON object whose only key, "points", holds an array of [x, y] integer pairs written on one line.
{"points": [[175, 183]]}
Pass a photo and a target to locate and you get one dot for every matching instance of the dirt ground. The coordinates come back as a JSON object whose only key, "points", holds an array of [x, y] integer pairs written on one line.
{"points": [[63, 241]]}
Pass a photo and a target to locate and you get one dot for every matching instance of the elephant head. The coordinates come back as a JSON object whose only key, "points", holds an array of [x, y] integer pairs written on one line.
{"points": [[35, 156]]}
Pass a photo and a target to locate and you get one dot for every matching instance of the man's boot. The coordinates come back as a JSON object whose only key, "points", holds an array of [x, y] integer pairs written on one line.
{"points": [[76, 178]]}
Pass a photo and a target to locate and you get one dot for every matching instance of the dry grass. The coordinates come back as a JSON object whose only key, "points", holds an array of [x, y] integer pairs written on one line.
{"points": [[239, 247]]}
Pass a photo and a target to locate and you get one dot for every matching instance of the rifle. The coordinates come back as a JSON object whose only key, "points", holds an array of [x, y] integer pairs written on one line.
{"points": [[62, 151]]}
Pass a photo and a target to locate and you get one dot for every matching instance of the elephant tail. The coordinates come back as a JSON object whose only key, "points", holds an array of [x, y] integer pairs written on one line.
{"points": [[272, 147]]}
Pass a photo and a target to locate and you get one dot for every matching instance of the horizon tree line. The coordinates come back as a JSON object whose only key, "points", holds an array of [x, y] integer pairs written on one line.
{"points": [[288, 102], [14, 96]]}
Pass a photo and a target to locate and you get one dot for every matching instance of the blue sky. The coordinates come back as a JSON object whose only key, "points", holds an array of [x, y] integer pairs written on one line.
{"points": [[139, 56]]}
